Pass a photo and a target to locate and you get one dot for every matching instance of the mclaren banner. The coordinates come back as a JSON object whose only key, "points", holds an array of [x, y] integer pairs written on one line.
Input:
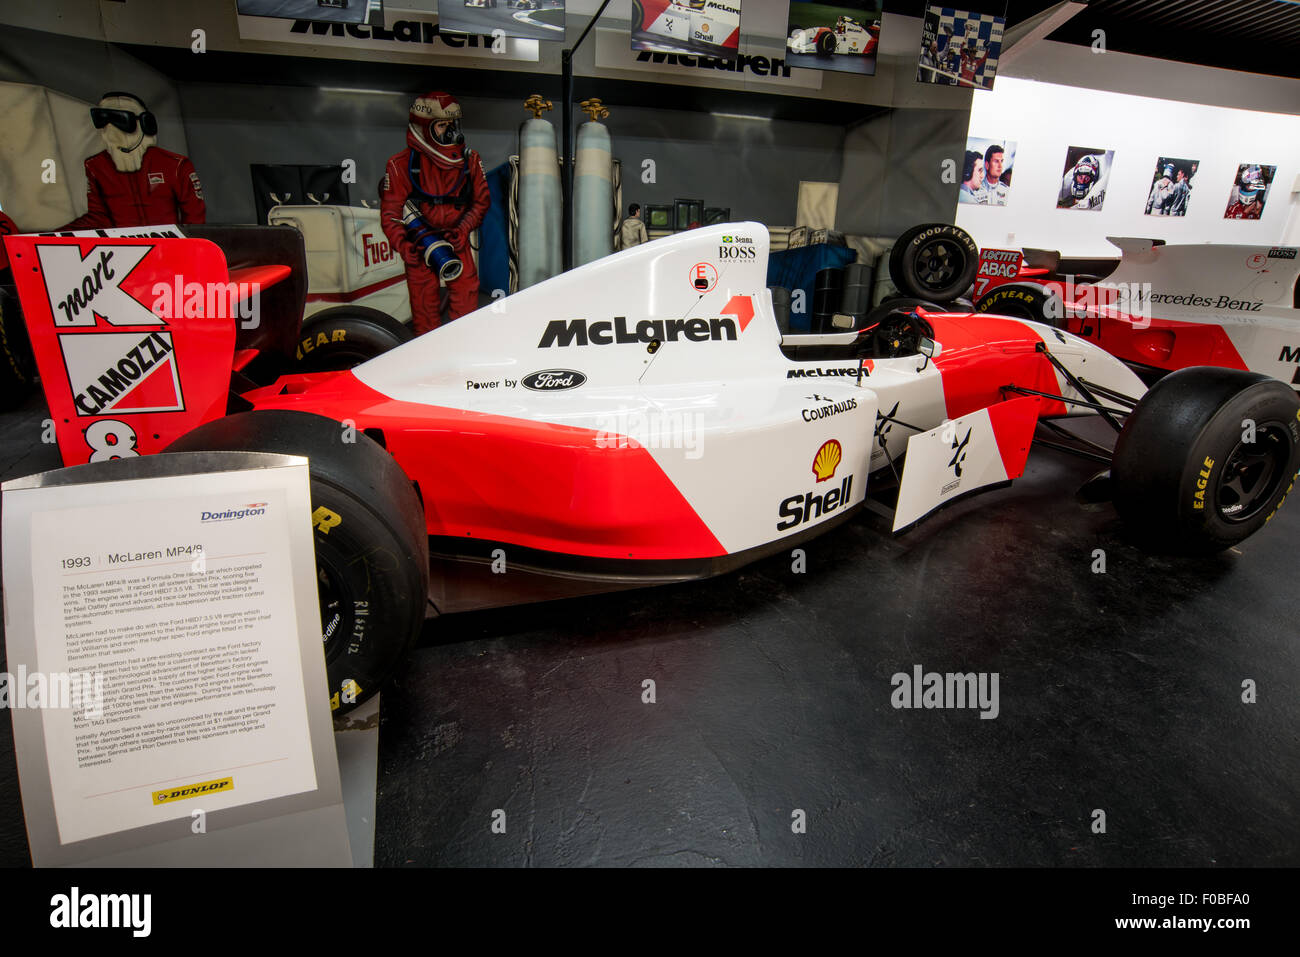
{"points": [[409, 33]]}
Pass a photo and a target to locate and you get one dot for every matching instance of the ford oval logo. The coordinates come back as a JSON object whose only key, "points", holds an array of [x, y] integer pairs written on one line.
{"points": [[554, 380]]}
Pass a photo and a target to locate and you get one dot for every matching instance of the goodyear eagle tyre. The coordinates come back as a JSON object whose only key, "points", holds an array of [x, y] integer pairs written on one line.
{"points": [[1206, 458], [934, 261], [372, 550], [1025, 300], [341, 338], [826, 44]]}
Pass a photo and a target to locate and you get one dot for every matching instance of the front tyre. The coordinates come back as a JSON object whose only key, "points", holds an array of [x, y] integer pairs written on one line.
{"points": [[372, 547], [1207, 458]]}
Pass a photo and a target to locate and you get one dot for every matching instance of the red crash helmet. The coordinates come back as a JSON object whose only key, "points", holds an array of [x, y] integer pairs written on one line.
{"points": [[446, 148]]}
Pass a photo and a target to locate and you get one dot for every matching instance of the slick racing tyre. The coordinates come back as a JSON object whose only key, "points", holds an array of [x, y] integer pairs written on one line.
{"points": [[345, 337], [934, 261], [826, 44], [372, 549], [17, 364], [1207, 458], [1025, 300]]}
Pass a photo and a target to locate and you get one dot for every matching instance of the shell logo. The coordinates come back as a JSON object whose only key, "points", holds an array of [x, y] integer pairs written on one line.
{"points": [[827, 460]]}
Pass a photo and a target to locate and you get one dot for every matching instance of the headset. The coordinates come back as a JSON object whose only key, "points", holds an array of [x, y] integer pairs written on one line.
{"points": [[124, 120]]}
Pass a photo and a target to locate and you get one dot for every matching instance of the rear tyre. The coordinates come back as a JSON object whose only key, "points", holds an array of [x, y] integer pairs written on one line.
{"points": [[934, 261], [372, 548], [345, 337], [1025, 300], [1207, 458]]}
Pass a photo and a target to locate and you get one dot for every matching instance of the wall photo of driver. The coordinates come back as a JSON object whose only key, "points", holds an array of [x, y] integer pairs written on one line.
{"points": [[1249, 191], [959, 47], [1083, 184], [1171, 186], [987, 182]]}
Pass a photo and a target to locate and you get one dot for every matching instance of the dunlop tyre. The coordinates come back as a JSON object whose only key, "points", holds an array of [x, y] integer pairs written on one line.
{"points": [[368, 526]]}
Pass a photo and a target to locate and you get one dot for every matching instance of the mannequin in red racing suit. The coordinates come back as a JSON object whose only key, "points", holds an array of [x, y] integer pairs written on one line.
{"points": [[446, 183], [133, 182]]}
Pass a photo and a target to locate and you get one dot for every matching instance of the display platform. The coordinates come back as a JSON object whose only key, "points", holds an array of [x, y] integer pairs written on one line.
{"points": [[1118, 691]]}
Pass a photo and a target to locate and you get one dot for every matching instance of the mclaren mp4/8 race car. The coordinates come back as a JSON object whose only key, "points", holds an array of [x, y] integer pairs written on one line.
{"points": [[637, 420]]}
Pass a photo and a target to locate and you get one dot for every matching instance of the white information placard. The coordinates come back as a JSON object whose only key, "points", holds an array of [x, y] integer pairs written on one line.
{"points": [[183, 606]]}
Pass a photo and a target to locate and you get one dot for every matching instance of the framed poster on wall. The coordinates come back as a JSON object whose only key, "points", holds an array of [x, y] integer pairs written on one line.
{"points": [[959, 47], [523, 19], [1171, 186], [1087, 172], [1249, 191], [841, 35], [703, 27], [335, 11], [986, 171]]}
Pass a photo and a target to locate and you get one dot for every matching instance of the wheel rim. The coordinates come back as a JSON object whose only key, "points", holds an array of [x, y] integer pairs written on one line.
{"points": [[1252, 474], [336, 608], [938, 262]]}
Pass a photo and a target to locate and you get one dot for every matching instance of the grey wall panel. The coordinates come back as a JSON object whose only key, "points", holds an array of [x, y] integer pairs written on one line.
{"points": [[892, 174], [752, 166]]}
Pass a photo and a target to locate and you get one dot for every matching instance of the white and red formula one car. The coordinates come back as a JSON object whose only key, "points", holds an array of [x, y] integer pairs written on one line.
{"points": [[1162, 307], [848, 36], [705, 25], [637, 420]]}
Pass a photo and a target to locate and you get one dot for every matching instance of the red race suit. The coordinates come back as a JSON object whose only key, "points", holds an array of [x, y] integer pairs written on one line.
{"points": [[1239, 210], [165, 190], [452, 200]]}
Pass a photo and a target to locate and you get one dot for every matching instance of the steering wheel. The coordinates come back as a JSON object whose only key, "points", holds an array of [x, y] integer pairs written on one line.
{"points": [[900, 334]]}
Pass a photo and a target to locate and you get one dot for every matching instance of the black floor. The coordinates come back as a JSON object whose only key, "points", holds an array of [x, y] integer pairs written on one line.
{"points": [[1119, 692]]}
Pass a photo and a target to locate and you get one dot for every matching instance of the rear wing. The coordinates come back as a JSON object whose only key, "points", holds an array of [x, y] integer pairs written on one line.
{"points": [[135, 339]]}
